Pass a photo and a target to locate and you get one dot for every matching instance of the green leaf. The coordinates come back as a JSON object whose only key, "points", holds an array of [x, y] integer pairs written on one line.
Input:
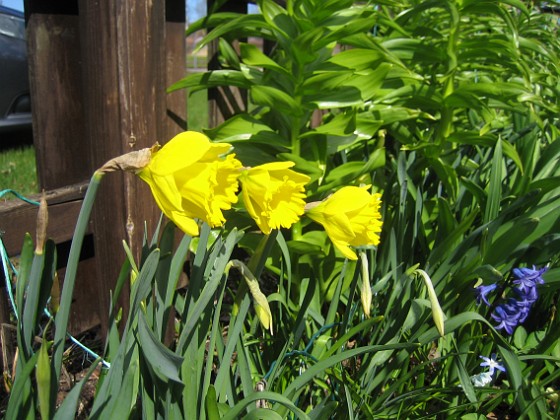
{"points": [[245, 128], [142, 285], [488, 273], [43, 376], [215, 78], [230, 23], [20, 395], [495, 188], [336, 98], [349, 172], [359, 59], [275, 99], [69, 406], [25, 263], [211, 282], [295, 387], [211, 404], [262, 413], [229, 54], [324, 410], [342, 124], [165, 363], [253, 56], [238, 408]]}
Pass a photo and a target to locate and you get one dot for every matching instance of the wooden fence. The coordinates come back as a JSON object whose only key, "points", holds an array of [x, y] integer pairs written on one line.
{"points": [[99, 72]]}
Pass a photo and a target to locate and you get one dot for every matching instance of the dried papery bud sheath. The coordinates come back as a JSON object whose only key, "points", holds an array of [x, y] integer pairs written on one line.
{"points": [[42, 223], [132, 162]]}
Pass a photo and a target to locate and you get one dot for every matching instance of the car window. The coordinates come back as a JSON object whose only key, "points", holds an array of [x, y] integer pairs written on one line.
{"points": [[11, 26]]}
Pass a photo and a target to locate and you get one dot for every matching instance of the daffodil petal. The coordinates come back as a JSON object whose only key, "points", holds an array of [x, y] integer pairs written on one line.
{"points": [[184, 150], [350, 216]]}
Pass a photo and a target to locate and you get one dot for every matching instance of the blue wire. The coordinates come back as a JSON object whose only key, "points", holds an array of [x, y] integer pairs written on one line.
{"points": [[304, 352], [18, 195], [5, 258]]}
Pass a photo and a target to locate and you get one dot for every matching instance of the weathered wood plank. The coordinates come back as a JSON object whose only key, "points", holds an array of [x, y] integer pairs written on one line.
{"points": [[64, 204], [18, 217]]}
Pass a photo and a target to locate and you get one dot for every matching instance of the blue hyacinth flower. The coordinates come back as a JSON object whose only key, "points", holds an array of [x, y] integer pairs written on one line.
{"points": [[482, 292], [507, 317], [527, 278]]}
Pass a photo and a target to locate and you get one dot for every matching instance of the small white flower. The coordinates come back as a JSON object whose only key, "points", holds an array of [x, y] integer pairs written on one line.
{"points": [[482, 379], [492, 364]]}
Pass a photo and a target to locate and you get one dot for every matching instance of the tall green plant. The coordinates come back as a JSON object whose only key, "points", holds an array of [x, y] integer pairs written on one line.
{"points": [[450, 110]]}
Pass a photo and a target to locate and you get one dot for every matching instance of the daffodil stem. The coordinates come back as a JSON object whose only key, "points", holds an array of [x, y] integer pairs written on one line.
{"points": [[296, 231], [61, 321]]}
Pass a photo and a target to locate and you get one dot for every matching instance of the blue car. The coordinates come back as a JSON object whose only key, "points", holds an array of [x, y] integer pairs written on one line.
{"points": [[15, 102]]}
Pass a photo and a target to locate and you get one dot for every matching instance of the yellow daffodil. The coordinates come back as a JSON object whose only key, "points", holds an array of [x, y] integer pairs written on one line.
{"points": [[350, 217], [274, 194], [190, 178]]}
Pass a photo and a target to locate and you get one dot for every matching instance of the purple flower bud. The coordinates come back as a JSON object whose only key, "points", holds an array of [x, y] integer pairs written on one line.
{"points": [[527, 278]]}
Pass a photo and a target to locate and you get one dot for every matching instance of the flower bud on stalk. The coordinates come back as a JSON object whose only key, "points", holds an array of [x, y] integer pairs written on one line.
{"points": [[42, 223]]}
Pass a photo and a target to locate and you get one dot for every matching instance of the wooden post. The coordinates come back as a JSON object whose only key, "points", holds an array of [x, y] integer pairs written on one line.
{"points": [[54, 57], [124, 84], [99, 72]]}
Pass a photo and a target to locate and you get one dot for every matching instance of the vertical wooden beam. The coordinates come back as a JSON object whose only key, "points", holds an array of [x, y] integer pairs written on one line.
{"points": [[56, 91], [124, 80], [54, 57]]}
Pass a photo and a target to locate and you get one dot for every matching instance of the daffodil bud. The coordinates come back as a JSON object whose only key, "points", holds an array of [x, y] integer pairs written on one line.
{"points": [[260, 302], [437, 312], [365, 295], [42, 223]]}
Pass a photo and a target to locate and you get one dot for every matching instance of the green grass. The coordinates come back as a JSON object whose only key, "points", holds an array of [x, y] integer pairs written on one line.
{"points": [[18, 170], [197, 62]]}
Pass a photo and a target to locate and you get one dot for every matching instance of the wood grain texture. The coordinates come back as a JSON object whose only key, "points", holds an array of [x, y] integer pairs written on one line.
{"points": [[56, 92], [124, 72], [18, 218]]}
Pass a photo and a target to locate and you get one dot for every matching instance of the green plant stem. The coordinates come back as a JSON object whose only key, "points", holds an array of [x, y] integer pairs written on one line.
{"points": [[61, 320]]}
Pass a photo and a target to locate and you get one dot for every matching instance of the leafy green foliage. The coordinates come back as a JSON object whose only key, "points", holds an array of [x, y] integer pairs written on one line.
{"points": [[448, 108]]}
